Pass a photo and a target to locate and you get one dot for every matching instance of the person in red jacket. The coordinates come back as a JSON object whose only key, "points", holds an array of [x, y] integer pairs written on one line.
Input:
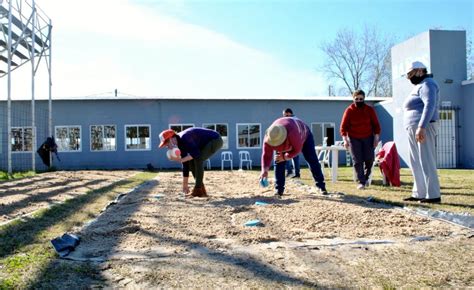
{"points": [[360, 130]]}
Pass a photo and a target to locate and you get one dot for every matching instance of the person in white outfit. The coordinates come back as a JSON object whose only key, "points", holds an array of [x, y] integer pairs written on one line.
{"points": [[421, 122]]}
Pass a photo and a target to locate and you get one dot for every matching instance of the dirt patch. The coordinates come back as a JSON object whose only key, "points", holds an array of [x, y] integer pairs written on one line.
{"points": [[24, 196], [154, 237]]}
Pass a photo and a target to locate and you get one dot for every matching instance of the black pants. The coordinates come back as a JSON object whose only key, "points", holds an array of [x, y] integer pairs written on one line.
{"points": [[362, 151]]}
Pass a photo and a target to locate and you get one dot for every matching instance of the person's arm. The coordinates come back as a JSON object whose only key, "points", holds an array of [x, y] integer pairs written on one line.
{"points": [[266, 159], [376, 127], [185, 184], [428, 96], [344, 128]]}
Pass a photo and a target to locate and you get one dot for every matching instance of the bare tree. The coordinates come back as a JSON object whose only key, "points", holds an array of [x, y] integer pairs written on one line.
{"points": [[360, 61]]}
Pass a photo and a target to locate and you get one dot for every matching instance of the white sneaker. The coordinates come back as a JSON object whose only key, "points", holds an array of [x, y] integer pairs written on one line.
{"points": [[361, 186]]}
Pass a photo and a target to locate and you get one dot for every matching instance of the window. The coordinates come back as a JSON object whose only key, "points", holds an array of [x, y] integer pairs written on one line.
{"points": [[137, 137], [22, 139], [222, 130], [180, 127], [103, 138], [248, 136], [321, 131], [68, 138]]}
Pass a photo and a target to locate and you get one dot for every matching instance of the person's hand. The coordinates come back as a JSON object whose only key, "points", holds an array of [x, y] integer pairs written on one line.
{"points": [[177, 159], [376, 141], [346, 143], [420, 135], [280, 157], [263, 175]]}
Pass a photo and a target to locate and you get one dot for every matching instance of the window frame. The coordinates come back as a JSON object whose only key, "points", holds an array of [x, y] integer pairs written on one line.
{"points": [[33, 135], [191, 125], [90, 138], [68, 126], [137, 125], [323, 133], [226, 139], [237, 146]]}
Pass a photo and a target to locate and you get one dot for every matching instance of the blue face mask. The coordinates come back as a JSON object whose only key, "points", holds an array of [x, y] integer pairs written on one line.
{"points": [[359, 104]]}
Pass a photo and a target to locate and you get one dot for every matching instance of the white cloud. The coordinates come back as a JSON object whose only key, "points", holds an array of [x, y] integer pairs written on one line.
{"points": [[102, 45]]}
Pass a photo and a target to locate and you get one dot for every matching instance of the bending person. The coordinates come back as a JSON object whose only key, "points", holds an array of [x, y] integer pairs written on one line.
{"points": [[196, 145], [289, 136]]}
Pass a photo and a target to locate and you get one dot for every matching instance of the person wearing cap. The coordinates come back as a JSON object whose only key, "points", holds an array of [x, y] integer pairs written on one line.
{"points": [[289, 136], [360, 130], [420, 120], [196, 145], [296, 160]]}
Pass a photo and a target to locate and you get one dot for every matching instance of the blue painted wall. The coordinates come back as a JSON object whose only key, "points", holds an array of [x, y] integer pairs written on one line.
{"points": [[159, 113], [467, 129], [444, 53]]}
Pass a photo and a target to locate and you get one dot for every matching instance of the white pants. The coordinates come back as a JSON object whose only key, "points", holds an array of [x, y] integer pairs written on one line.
{"points": [[423, 163]]}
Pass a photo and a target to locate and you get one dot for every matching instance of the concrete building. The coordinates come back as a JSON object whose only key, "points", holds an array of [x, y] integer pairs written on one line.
{"points": [[444, 53]]}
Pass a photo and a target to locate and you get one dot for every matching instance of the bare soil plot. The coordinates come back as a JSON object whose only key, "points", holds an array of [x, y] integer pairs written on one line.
{"points": [[154, 237], [24, 196]]}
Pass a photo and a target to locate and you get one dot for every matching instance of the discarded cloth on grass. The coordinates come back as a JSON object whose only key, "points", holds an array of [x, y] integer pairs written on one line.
{"points": [[65, 244], [390, 163]]}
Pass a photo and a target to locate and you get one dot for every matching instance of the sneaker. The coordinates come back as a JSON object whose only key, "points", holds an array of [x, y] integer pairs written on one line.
{"points": [[289, 174], [411, 198], [296, 176], [431, 200], [323, 191], [278, 195], [361, 186]]}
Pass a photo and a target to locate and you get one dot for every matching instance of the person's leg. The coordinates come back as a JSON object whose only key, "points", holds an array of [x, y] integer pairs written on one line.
{"points": [[419, 186], [368, 152], [296, 162], [309, 154], [428, 162], [356, 150], [280, 177], [207, 151]]}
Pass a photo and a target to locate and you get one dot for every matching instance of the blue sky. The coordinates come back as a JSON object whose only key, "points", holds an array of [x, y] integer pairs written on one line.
{"points": [[218, 48]]}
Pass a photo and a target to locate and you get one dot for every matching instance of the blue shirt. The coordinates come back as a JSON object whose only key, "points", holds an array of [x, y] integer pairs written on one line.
{"points": [[421, 105]]}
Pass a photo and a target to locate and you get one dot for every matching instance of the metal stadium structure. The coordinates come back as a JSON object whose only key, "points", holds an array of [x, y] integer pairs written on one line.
{"points": [[25, 39]]}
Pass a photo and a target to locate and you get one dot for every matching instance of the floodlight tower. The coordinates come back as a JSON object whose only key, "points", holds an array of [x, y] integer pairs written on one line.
{"points": [[26, 32]]}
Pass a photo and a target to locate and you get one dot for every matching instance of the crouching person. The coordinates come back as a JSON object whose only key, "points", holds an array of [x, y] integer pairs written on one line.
{"points": [[196, 145], [289, 136]]}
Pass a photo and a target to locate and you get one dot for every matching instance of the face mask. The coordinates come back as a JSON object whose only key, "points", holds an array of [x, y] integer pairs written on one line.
{"points": [[416, 80], [359, 104]]}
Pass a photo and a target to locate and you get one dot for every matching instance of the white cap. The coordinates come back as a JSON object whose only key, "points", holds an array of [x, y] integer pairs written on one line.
{"points": [[415, 65]]}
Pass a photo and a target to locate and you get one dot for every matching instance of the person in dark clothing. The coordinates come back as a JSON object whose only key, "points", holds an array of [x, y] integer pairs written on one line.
{"points": [[195, 145], [45, 150], [360, 130], [296, 160]]}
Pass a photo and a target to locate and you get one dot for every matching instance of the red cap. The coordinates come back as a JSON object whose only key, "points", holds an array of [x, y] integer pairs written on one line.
{"points": [[165, 136]]}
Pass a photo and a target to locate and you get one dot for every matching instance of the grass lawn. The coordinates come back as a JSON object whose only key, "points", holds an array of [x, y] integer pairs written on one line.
{"points": [[25, 249], [15, 175], [457, 188]]}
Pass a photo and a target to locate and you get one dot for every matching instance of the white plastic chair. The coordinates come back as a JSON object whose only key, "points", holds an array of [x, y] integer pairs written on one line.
{"points": [[376, 163], [227, 156], [208, 164], [244, 157]]}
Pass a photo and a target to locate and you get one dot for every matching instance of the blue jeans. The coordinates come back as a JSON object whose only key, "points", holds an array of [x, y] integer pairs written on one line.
{"points": [[296, 163], [309, 154]]}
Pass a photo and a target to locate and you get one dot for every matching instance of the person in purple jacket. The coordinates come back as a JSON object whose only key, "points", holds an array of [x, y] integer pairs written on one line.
{"points": [[420, 119], [289, 136], [196, 145]]}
